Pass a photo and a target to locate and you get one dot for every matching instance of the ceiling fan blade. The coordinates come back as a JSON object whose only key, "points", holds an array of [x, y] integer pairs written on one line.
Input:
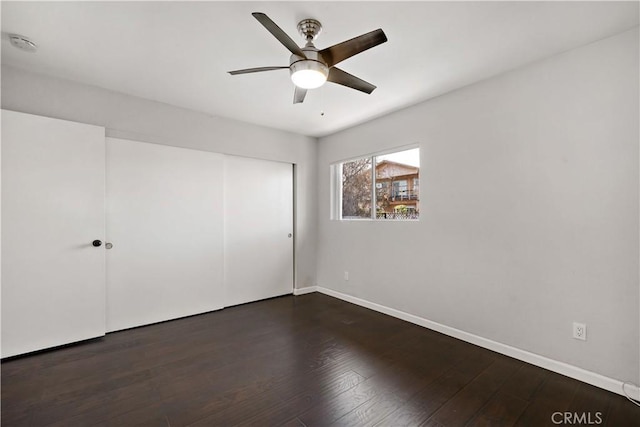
{"points": [[278, 33], [298, 95], [341, 51], [255, 70], [336, 75]]}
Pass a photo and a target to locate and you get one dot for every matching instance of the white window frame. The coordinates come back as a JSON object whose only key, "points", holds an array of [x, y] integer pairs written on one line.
{"points": [[335, 185]]}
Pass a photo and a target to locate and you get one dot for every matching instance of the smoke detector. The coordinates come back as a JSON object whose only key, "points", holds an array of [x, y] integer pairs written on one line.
{"points": [[22, 43]]}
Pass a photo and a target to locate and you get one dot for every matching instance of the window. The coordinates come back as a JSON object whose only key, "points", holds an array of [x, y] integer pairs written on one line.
{"points": [[356, 189], [379, 187], [399, 190]]}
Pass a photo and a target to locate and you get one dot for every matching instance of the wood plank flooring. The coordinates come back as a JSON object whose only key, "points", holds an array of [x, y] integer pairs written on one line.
{"points": [[309, 360]]}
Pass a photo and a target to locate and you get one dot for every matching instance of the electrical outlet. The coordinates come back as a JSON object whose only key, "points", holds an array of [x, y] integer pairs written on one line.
{"points": [[579, 331], [346, 276]]}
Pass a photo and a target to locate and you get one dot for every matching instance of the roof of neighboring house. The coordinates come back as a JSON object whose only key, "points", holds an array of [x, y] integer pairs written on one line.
{"points": [[389, 169]]}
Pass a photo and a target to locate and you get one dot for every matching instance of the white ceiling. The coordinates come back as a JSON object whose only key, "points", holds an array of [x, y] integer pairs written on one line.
{"points": [[179, 52]]}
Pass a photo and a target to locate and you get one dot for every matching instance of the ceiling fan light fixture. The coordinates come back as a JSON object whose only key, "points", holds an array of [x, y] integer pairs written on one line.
{"points": [[309, 74]]}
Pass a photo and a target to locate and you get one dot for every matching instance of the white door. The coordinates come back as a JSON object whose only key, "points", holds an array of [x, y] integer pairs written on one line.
{"points": [[53, 286], [165, 221], [258, 210]]}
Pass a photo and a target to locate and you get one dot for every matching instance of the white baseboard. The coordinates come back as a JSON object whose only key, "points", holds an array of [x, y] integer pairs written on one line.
{"points": [[307, 290], [571, 371]]}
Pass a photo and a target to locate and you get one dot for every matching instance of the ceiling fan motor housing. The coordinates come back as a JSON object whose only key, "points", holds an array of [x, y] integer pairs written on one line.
{"points": [[312, 64], [311, 54]]}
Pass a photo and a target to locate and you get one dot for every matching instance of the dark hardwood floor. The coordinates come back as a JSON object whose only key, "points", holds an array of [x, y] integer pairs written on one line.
{"points": [[310, 360]]}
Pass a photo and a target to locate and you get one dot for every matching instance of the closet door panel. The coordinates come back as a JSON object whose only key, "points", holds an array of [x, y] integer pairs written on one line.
{"points": [[53, 277], [258, 229], [165, 222]]}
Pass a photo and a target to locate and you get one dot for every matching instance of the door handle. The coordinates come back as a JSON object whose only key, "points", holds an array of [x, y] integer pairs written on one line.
{"points": [[290, 235], [108, 245], [97, 243]]}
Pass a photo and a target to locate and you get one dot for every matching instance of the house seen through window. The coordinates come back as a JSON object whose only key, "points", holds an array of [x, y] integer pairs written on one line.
{"points": [[381, 187]]}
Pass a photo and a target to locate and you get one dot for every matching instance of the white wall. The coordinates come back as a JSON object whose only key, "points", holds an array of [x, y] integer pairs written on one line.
{"points": [[529, 210], [139, 119]]}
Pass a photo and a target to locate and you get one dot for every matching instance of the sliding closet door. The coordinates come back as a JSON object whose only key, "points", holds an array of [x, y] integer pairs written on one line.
{"points": [[53, 287], [258, 229], [165, 222]]}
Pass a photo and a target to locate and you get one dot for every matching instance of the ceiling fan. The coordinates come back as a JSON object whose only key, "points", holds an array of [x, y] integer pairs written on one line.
{"points": [[310, 67]]}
